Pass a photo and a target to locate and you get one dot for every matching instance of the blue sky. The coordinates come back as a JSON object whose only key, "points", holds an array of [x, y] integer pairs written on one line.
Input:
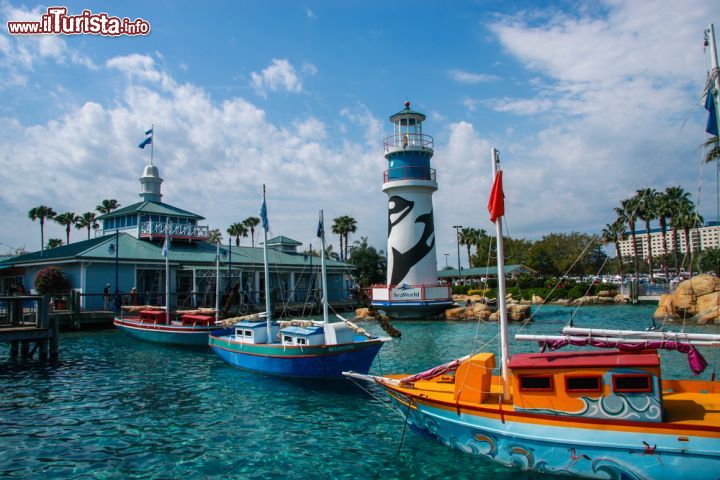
{"points": [[587, 102]]}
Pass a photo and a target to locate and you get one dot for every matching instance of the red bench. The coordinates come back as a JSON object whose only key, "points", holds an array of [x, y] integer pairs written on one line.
{"points": [[189, 319], [155, 316]]}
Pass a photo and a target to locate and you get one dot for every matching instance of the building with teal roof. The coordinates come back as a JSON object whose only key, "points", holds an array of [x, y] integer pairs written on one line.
{"points": [[129, 244]]}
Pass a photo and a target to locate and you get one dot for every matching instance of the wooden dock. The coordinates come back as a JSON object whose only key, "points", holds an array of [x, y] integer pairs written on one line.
{"points": [[27, 324]]}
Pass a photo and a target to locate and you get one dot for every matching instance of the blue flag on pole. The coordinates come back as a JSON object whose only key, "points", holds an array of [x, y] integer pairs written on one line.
{"points": [[712, 124], [149, 132], [321, 227], [145, 142], [263, 216], [165, 248]]}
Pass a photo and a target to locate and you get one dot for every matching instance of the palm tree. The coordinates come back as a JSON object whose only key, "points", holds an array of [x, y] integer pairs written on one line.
{"points": [[350, 227], [214, 236], [54, 242], [614, 233], [251, 223], [338, 228], [87, 220], [237, 230], [41, 212], [676, 198], [627, 214], [688, 219], [663, 210], [107, 206], [469, 236], [646, 212], [67, 219], [713, 152]]}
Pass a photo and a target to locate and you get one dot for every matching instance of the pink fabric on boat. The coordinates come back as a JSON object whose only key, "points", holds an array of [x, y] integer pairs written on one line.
{"points": [[695, 359], [433, 372]]}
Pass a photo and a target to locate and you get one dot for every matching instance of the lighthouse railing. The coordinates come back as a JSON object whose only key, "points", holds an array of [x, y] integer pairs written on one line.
{"points": [[406, 173], [407, 140], [174, 230]]}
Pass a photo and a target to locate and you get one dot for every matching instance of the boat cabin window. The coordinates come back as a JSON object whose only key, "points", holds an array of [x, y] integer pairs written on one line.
{"points": [[583, 383], [536, 383], [248, 333], [287, 339], [632, 383], [301, 341]]}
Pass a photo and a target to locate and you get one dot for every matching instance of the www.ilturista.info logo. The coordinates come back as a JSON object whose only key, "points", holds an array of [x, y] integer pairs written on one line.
{"points": [[57, 21]]}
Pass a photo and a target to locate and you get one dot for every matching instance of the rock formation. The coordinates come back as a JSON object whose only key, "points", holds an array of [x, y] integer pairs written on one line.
{"points": [[696, 300]]}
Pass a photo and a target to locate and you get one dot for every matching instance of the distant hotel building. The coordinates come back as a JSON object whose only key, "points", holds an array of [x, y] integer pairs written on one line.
{"points": [[701, 238]]}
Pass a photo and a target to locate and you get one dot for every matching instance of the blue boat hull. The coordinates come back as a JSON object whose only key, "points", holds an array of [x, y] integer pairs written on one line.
{"points": [[326, 361], [196, 336]]}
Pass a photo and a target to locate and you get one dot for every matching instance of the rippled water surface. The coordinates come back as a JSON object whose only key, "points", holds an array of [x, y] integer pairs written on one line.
{"points": [[115, 408]]}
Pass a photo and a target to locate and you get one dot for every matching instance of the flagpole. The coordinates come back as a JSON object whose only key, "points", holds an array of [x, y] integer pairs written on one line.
{"points": [[502, 308], [152, 142], [714, 71], [268, 307], [323, 268]]}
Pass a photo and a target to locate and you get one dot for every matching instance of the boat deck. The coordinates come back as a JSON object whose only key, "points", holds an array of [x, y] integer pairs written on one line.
{"points": [[686, 402]]}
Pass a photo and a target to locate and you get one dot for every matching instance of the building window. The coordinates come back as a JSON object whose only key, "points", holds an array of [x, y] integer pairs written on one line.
{"points": [[583, 383], [536, 383], [633, 383]]}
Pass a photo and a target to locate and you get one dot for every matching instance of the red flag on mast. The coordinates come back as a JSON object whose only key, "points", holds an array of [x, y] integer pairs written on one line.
{"points": [[496, 204]]}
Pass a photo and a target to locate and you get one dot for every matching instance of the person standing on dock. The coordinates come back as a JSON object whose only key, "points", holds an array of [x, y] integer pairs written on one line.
{"points": [[106, 296]]}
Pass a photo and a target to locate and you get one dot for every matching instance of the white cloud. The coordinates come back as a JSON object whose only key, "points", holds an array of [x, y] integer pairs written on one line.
{"points": [[19, 54], [140, 67], [470, 78], [470, 104], [309, 69], [310, 14], [280, 74], [214, 158]]}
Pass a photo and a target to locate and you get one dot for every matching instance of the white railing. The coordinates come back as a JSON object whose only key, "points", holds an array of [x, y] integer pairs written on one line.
{"points": [[174, 229]]}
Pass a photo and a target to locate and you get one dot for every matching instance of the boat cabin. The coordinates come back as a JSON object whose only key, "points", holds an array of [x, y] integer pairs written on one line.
{"points": [[254, 332], [302, 336], [595, 384]]}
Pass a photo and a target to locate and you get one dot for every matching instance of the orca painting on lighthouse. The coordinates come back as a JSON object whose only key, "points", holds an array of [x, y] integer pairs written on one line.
{"points": [[412, 289]]}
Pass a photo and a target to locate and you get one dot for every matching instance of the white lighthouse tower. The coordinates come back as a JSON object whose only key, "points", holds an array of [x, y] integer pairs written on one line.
{"points": [[412, 289]]}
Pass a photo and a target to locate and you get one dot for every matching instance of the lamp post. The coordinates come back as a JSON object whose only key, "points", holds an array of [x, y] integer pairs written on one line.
{"points": [[457, 237]]}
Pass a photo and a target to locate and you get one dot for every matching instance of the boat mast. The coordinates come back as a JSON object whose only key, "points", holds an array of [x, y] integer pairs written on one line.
{"points": [[502, 308], [166, 249], [217, 283], [323, 268], [268, 317], [714, 58]]}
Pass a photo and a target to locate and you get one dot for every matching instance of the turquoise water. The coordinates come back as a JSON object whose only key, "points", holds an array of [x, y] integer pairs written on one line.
{"points": [[118, 408]]}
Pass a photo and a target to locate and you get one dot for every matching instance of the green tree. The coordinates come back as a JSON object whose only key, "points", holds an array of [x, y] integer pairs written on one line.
{"points": [[41, 213], [67, 220], [614, 233], [627, 214], [87, 220], [251, 223], [678, 199], [710, 260], [342, 226], [54, 242], [107, 206], [646, 211], [468, 237], [237, 230], [687, 219], [214, 236], [663, 210], [370, 263]]}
